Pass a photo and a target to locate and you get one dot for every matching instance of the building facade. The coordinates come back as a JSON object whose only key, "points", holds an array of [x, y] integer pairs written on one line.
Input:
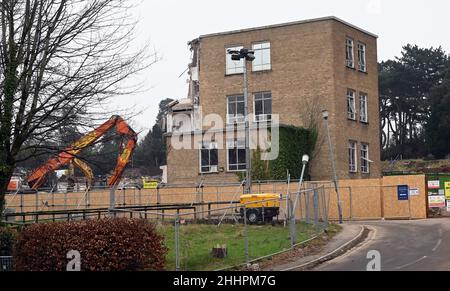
{"points": [[300, 69]]}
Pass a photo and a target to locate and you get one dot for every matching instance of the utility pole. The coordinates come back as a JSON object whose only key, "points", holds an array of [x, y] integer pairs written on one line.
{"points": [[248, 158], [247, 56], [326, 116]]}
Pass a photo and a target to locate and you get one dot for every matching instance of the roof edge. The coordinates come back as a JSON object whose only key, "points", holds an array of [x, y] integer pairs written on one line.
{"points": [[290, 24]]}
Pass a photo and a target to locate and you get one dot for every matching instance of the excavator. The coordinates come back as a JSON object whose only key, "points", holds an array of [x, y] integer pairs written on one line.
{"points": [[85, 168], [69, 155]]}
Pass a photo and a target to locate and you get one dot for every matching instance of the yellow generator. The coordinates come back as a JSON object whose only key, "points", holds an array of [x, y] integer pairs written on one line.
{"points": [[260, 207]]}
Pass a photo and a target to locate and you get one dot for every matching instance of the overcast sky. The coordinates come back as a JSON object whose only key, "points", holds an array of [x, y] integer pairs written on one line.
{"points": [[169, 24]]}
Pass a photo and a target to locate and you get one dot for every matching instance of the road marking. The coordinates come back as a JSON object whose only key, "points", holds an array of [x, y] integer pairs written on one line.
{"points": [[413, 263], [438, 245]]}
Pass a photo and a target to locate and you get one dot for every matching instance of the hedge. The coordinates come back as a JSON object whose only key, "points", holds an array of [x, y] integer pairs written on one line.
{"points": [[104, 245], [7, 240]]}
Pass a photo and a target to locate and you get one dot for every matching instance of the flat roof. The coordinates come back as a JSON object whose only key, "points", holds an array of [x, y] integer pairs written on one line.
{"points": [[289, 24]]}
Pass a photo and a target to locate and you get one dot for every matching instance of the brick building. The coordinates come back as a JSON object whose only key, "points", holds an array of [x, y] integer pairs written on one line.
{"points": [[301, 68]]}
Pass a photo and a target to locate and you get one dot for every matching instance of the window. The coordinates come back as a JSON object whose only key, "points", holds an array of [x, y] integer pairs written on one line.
{"points": [[262, 60], [350, 59], [209, 160], [236, 156], [363, 117], [351, 104], [234, 67], [362, 57], [352, 156], [235, 109], [263, 106], [365, 159]]}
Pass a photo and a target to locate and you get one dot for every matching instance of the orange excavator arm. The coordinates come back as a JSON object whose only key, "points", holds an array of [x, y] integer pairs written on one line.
{"points": [[38, 176]]}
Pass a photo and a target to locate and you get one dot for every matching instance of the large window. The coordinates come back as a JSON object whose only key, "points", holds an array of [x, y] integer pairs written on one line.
{"points": [[349, 55], [209, 158], [362, 57], [365, 159], [263, 106], [262, 60], [234, 67], [235, 109], [351, 104], [363, 117], [352, 157], [236, 156]]}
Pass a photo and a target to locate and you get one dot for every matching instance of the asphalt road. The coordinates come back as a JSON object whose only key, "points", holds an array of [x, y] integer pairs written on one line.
{"points": [[402, 245]]}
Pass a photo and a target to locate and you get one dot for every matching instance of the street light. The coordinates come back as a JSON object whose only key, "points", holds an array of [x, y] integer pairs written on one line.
{"points": [[305, 161], [326, 117], [248, 56]]}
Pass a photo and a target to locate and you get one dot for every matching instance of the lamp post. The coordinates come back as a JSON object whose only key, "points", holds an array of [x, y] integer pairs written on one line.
{"points": [[305, 161], [248, 56], [326, 117]]}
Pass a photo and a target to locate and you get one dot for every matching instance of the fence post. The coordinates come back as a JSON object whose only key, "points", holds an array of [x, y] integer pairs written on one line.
{"points": [[177, 242], [37, 201], [140, 197], [202, 201], [112, 201], [65, 200], [307, 207], [316, 208], [292, 224], [246, 245], [21, 203], [325, 206], [158, 196]]}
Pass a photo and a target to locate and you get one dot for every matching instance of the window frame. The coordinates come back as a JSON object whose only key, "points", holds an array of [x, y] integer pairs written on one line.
{"points": [[365, 161], [238, 145], [212, 146], [256, 116], [264, 66], [364, 112], [228, 58], [351, 115], [350, 63], [362, 57], [353, 146], [236, 119]]}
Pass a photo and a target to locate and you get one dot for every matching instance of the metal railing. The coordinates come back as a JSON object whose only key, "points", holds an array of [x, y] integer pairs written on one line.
{"points": [[6, 264]]}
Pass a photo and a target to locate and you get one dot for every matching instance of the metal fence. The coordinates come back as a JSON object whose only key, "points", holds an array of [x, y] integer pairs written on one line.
{"points": [[222, 235], [6, 264]]}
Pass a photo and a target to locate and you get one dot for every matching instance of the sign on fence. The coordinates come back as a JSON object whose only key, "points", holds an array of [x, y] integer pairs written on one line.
{"points": [[414, 192], [403, 193], [436, 201], [447, 189], [434, 184]]}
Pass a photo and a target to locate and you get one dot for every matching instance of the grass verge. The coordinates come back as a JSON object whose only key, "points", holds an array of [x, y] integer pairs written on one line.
{"points": [[197, 242]]}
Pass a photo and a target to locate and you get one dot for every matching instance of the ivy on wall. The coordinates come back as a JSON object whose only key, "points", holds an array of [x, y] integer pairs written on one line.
{"points": [[294, 142]]}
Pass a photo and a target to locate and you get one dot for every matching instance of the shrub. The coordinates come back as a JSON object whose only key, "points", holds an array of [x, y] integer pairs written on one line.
{"points": [[7, 240], [104, 245]]}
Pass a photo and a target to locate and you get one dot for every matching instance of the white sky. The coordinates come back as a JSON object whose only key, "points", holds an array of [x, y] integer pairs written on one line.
{"points": [[170, 24]]}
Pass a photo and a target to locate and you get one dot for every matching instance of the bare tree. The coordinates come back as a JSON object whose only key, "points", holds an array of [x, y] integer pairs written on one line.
{"points": [[60, 62]]}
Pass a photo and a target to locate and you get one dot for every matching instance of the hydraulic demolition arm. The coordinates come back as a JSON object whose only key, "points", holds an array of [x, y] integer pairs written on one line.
{"points": [[38, 176]]}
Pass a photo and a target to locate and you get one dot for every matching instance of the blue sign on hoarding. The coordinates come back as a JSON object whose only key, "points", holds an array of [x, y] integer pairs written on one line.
{"points": [[403, 193]]}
